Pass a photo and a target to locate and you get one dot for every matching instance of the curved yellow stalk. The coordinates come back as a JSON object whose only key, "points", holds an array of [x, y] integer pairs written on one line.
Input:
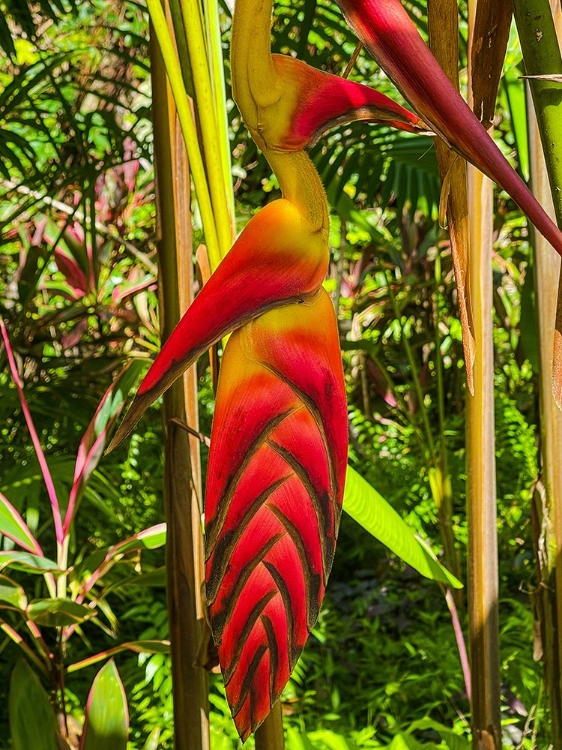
{"points": [[216, 67], [188, 127], [191, 11]]}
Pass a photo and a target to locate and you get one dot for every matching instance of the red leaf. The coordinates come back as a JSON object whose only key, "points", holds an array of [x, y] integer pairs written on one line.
{"points": [[388, 32], [313, 101], [274, 492], [72, 272], [276, 260]]}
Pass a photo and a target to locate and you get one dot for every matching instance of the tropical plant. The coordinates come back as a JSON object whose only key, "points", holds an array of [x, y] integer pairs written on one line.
{"points": [[402, 345], [266, 92], [72, 593]]}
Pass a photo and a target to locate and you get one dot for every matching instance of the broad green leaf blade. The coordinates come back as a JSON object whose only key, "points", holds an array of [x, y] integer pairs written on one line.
{"points": [[405, 742], [15, 528], [12, 593], [107, 717], [297, 740], [32, 720], [332, 740], [364, 504], [55, 613], [27, 562], [453, 740]]}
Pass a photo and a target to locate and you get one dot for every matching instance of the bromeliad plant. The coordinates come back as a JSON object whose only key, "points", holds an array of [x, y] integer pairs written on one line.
{"points": [[73, 591], [278, 447]]}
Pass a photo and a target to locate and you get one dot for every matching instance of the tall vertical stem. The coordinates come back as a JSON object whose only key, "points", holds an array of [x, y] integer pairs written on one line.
{"points": [[537, 25], [270, 735], [547, 271], [483, 580], [184, 550], [481, 483]]}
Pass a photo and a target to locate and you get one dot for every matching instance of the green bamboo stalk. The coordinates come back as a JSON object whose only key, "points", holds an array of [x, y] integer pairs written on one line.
{"points": [[546, 271], [541, 53], [184, 549], [216, 177], [174, 73], [483, 579]]}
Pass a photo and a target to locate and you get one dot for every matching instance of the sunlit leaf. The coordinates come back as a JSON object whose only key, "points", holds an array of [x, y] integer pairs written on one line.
{"points": [[27, 562], [55, 613], [138, 647], [366, 506], [106, 725], [12, 593], [13, 526]]}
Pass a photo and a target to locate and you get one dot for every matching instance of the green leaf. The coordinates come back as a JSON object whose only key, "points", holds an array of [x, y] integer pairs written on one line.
{"points": [[138, 647], [55, 613], [298, 740], [107, 717], [12, 593], [32, 719], [27, 562], [151, 538], [332, 740], [364, 504], [404, 742], [453, 740], [13, 526]]}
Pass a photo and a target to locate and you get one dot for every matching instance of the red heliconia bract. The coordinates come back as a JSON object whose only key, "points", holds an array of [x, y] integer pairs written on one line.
{"points": [[279, 439], [312, 102], [387, 31], [273, 500]]}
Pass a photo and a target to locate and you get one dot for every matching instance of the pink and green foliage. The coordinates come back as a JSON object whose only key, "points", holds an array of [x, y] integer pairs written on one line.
{"points": [[267, 562], [72, 593]]}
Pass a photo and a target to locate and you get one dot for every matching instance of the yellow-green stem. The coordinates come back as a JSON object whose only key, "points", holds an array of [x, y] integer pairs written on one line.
{"points": [[483, 577], [184, 548], [216, 63], [547, 272], [173, 70], [210, 137], [481, 479], [62, 562]]}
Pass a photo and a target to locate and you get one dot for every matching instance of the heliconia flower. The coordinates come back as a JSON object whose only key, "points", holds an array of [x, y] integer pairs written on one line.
{"points": [[274, 492], [386, 30], [312, 101], [275, 261]]}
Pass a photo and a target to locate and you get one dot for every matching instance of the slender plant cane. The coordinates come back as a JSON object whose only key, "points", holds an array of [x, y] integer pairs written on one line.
{"points": [[543, 63], [443, 29], [483, 579], [541, 53], [548, 492], [182, 492]]}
